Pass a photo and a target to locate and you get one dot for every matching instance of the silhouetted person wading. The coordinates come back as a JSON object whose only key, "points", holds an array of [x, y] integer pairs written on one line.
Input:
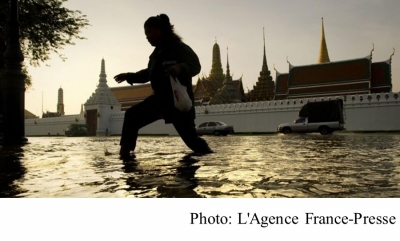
{"points": [[170, 57]]}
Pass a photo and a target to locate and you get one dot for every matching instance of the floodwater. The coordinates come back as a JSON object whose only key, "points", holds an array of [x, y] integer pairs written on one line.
{"points": [[263, 166]]}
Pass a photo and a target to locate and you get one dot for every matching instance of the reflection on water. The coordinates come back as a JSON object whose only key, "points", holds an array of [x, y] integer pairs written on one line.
{"points": [[11, 170], [309, 165]]}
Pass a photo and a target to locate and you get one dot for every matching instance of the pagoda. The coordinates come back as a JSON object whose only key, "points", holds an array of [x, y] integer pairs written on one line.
{"points": [[208, 89], [265, 86], [100, 106], [228, 93]]}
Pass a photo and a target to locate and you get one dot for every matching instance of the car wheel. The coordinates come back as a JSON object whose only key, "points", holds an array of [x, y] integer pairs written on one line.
{"points": [[324, 130], [287, 130], [216, 133]]}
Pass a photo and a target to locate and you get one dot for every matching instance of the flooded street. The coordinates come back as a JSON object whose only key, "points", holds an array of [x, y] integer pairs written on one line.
{"points": [[309, 165]]}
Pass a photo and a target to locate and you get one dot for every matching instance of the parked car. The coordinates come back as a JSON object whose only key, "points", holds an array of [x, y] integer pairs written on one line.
{"points": [[214, 128], [324, 117]]}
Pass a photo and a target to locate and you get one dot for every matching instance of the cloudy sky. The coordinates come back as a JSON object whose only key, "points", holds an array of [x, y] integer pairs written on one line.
{"points": [[292, 30]]}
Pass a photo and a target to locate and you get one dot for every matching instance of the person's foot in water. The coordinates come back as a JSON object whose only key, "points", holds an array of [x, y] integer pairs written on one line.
{"points": [[203, 151], [125, 153]]}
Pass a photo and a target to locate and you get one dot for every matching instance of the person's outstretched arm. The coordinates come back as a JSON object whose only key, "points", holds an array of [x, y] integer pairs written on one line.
{"points": [[139, 77]]}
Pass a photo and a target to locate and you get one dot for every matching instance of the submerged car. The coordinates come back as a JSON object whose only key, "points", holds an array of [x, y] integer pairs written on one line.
{"points": [[214, 128]]}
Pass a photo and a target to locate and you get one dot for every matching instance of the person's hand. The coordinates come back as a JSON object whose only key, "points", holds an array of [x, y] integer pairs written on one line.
{"points": [[174, 70], [121, 77]]}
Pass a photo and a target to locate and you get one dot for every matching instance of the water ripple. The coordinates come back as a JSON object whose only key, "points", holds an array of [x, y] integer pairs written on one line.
{"points": [[339, 165]]}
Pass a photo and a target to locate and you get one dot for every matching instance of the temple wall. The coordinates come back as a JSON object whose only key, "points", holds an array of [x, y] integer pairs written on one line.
{"points": [[368, 112], [53, 126]]}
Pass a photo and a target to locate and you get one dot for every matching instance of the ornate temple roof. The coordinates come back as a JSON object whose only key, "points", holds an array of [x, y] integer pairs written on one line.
{"points": [[128, 96], [103, 94], [381, 76], [333, 72], [354, 76], [281, 85], [334, 78]]}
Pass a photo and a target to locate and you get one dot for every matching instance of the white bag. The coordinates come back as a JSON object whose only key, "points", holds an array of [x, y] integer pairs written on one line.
{"points": [[182, 100]]}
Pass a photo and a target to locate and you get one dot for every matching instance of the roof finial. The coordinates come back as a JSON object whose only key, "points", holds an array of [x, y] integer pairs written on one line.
{"points": [[373, 48], [392, 54], [277, 72], [287, 60], [264, 35]]}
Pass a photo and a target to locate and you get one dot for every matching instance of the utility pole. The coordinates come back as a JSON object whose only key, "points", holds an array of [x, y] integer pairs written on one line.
{"points": [[13, 86]]}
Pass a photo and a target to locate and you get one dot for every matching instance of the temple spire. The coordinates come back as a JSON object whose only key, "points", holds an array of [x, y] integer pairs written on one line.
{"points": [[264, 66], [103, 76], [323, 51], [60, 104], [228, 73], [216, 72]]}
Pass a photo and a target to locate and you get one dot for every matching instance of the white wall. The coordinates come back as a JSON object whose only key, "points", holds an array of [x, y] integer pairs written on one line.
{"points": [[363, 113], [373, 115], [53, 126]]}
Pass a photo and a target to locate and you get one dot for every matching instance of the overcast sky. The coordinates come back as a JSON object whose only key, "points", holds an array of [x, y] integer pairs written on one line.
{"points": [[292, 29]]}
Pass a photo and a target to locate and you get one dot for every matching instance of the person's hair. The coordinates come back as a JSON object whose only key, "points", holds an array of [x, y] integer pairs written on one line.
{"points": [[162, 22]]}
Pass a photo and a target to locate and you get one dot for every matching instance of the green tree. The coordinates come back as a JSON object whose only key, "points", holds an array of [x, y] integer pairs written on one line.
{"points": [[46, 27]]}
